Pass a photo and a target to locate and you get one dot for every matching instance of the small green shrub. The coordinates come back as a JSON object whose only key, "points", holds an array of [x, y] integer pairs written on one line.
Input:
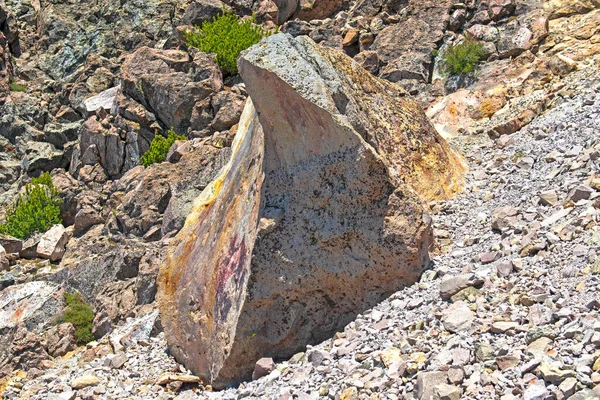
{"points": [[226, 36], [80, 314], [36, 210], [15, 87], [159, 147], [461, 58]]}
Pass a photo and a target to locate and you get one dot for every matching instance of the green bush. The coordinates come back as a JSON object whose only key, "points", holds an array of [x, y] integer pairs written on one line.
{"points": [[15, 87], [36, 210], [80, 314], [461, 58], [159, 148], [226, 36]]}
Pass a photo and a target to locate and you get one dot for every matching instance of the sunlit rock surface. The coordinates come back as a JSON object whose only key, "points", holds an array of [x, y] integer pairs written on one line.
{"points": [[315, 218]]}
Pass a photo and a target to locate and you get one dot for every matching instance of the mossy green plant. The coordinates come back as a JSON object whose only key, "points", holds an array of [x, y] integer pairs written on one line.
{"points": [[35, 210], [159, 148], [463, 57], [80, 314], [226, 36], [15, 87]]}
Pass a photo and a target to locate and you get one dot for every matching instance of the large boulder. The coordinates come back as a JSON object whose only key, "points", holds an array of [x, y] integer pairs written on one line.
{"points": [[310, 222]]}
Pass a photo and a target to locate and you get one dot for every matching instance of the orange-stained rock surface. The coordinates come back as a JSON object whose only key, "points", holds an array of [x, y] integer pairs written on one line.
{"points": [[202, 284]]}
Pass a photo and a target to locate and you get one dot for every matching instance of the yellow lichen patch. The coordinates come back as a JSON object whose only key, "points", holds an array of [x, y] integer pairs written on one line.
{"points": [[487, 108], [15, 376], [70, 354], [403, 134], [452, 109]]}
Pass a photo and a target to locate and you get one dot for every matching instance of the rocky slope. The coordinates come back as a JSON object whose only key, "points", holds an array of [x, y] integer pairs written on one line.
{"points": [[509, 307]]}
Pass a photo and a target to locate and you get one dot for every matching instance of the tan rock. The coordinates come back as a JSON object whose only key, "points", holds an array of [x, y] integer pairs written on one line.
{"points": [[388, 356], [351, 37], [52, 243], [350, 393], [444, 391], [562, 8], [85, 381], [173, 377], [503, 326]]}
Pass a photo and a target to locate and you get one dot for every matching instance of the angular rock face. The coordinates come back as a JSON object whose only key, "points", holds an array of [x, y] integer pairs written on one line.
{"points": [[170, 83], [264, 268], [26, 309], [211, 256], [379, 111], [8, 44]]}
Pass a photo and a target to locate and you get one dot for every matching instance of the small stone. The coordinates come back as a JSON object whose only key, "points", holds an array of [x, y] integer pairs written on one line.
{"points": [[316, 357], [484, 352], [539, 347], [427, 382], [539, 331], [388, 356], [444, 391], [85, 381], [323, 391], [263, 367], [469, 294], [553, 374], [504, 269], [525, 162], [461, 356], [167, 377], [456, 375], [118, 361], [350, 393], [549, 198], [507, 362], [596, 365], [174, 386], [503, 326], [503, 217], [454, 284], [568, 386], [537, 391], [458, 317], [581, 192], [489, 257]]}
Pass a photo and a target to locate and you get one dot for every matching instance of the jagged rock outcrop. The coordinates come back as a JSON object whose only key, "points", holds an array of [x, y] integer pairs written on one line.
{"points": [[26, 310], [8, 45], [264, 268], [172, 84], [159, 198]]}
